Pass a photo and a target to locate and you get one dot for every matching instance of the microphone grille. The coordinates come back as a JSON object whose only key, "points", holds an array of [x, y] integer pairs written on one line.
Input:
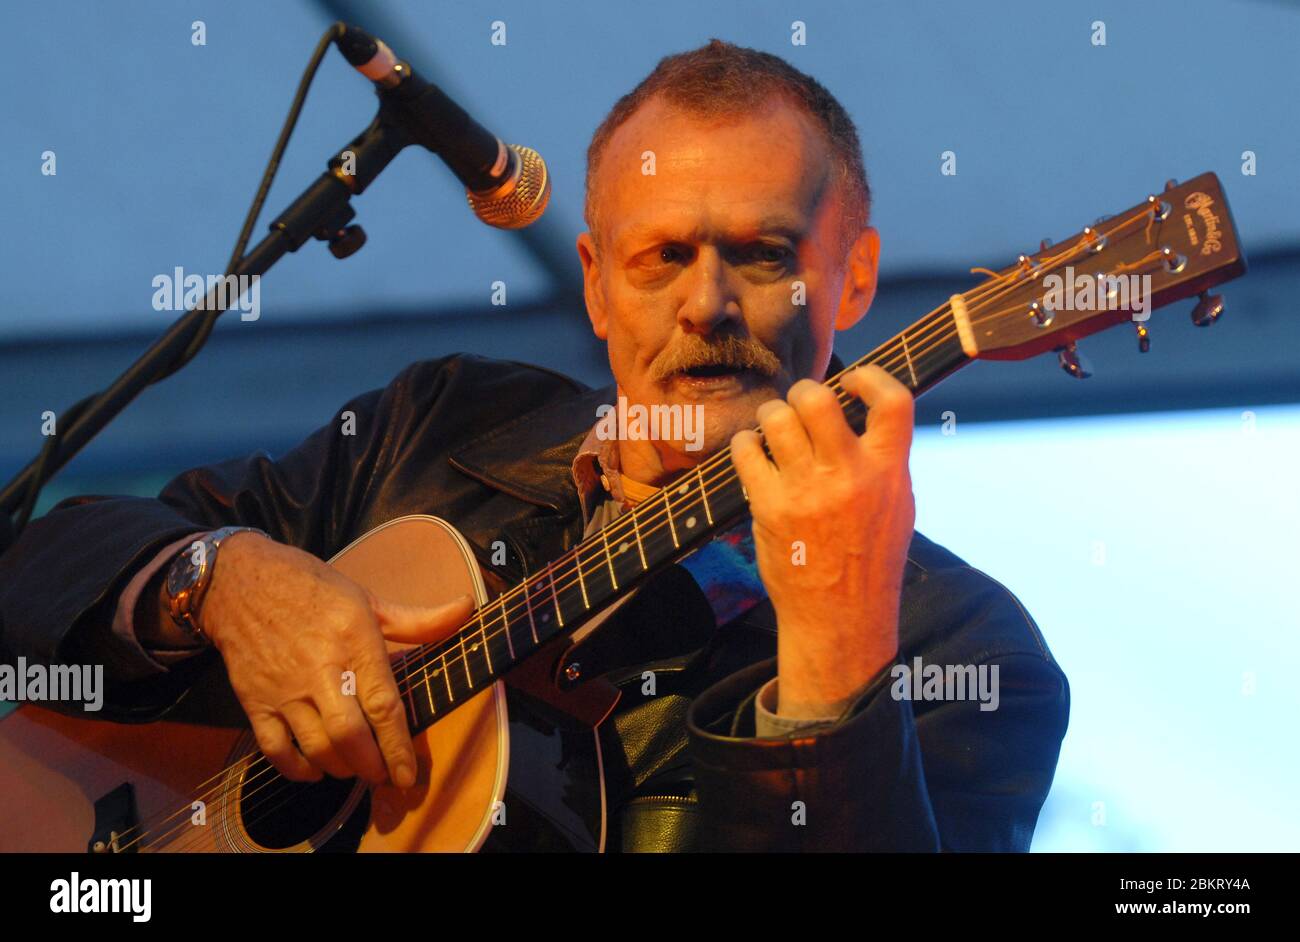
{"points": [[521, 200]]}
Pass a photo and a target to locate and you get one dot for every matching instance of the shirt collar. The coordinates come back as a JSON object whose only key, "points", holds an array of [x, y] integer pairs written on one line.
{"points": [[596, 472]]}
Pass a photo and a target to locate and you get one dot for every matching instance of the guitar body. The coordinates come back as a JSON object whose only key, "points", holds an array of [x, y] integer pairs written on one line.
{"points": [[54, 768]]}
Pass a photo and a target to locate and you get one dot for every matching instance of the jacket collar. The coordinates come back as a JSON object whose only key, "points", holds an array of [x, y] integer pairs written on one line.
{"points": [[531, 457]]}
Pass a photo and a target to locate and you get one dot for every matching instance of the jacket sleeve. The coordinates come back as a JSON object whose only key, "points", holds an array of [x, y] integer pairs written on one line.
{"points": [[60, 581], [894, 774]]}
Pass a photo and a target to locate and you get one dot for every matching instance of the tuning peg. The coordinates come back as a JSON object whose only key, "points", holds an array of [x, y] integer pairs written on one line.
{"points": [[1208, 309], [1144, 337], [1170, 184], [1044, 245], [1073, 362]]}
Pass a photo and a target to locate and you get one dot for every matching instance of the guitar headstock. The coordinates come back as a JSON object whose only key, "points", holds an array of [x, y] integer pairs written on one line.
{"points": [[1173, 245]]}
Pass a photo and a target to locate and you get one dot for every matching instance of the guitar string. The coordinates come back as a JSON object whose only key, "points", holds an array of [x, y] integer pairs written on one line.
{"points": [[1004, 282]]}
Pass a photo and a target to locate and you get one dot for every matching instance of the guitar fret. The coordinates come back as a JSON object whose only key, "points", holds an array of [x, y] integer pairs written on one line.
{"points": [[668, 508], [464, 659], [636, 532], [555, 599], [708, 514], [428, 689], [582, 584], [446, 678], [609, 559], [505, 621], [487, 649], [410, 692], [528, 606], [906, 353]]}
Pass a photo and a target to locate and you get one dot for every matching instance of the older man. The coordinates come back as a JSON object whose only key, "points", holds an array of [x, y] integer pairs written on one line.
{"points": [[728, 209]]}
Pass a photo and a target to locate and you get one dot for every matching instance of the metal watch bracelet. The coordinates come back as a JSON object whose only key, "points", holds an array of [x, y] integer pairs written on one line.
{"points": [[190, 575]]}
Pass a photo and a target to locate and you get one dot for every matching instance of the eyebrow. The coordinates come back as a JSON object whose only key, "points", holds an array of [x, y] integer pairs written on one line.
{"points": [[775, 225]]}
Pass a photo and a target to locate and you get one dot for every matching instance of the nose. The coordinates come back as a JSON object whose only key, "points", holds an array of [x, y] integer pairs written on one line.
{"points": [[710, 299]]}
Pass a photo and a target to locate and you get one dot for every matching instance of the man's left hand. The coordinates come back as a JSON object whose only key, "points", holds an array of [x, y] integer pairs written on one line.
{"points": [[833, 520]]}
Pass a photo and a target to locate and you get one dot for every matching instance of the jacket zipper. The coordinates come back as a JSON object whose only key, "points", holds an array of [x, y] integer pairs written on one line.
{"points": [[670, 799]]}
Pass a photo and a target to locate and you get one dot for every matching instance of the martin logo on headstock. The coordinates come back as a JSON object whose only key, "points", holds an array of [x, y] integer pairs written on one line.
{"points": [[1202, 205]]}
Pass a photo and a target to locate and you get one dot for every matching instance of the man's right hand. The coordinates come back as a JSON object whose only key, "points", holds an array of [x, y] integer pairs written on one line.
{"points": [[288, 627]]}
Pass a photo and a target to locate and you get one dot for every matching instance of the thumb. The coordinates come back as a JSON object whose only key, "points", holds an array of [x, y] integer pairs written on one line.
{"points": [[420, 624]]}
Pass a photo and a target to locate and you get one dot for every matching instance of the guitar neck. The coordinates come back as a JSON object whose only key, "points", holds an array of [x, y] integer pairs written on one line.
{"points": [[658, 531]]}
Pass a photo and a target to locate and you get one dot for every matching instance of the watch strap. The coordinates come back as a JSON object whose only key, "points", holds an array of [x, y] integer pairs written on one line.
{"points": [[185, 605]]}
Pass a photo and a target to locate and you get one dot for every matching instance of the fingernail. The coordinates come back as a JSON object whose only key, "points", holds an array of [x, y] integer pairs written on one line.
{"points": [[403, 775]]}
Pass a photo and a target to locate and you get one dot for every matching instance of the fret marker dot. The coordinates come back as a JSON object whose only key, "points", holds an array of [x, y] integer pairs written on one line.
{"points": [[622, 547], [690, 521], [682, 489], [546, 616]]}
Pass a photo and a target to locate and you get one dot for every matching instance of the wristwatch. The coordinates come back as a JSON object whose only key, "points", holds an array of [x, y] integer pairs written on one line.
{"points": [[189, 576]]}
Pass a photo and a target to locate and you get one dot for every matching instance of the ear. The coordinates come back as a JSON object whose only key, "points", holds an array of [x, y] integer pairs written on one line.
{"points": [[859, 279], [591, 286]]}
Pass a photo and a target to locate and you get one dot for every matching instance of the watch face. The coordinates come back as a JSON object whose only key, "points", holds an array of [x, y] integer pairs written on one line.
{"points": [[184, 574]]}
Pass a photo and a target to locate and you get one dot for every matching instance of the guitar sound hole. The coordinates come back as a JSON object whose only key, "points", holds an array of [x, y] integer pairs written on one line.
{"points": [[279, 814]]}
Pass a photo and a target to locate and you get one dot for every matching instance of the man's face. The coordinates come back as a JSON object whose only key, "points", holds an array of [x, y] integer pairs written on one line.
{"points": [[719, 279]]}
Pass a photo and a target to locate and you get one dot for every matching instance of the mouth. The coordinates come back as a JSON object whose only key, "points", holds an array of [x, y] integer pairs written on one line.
{"points": [[712, 371], [715, 379]]}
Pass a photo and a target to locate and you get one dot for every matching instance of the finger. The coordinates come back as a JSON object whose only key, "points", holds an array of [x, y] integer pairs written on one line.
{"points": [[381, 701], [277, 745], [823, 419], [784, 432], [420, 624], [755, 471], [345, 724], [890, 409], [313, 741]]}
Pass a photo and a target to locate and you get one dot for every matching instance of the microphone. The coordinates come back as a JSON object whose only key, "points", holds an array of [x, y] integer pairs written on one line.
{"points": [[507, 185]]}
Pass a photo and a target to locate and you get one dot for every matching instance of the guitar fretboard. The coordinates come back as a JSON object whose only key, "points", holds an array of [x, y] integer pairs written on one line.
{"points": [[437, 678]]}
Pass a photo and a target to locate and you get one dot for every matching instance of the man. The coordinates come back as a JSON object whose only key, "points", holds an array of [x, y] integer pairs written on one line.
{"points": [[728, 208]]}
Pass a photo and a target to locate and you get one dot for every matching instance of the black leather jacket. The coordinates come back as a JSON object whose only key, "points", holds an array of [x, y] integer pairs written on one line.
{"points": [[488, 445]]}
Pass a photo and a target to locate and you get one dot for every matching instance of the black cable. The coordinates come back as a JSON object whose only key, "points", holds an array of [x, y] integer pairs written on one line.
{"points": [[204, 328]]}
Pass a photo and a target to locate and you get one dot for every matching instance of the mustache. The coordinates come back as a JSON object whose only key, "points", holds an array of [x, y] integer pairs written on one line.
{"points": [[743, 353]]}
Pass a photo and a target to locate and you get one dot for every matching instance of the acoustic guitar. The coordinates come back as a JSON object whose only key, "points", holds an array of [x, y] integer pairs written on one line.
{"points": [[70, 783]]}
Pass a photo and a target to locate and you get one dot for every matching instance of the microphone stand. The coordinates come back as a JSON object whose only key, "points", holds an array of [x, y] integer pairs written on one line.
{"points": [[323, 211]]}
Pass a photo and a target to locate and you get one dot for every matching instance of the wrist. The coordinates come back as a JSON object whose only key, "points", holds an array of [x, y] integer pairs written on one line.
{"points": [[797, 699], [821, 678], [233, 548], [192, 575]]}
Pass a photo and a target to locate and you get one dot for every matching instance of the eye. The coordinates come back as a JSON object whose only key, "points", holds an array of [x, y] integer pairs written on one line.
{"points": [[768, 253], [672, 254]]}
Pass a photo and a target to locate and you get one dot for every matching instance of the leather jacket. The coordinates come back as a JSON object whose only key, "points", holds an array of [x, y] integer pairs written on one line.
{"points": [[488, 445]]}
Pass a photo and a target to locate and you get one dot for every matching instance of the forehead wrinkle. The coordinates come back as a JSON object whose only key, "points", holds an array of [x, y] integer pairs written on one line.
{"points": [[689, 176]]}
